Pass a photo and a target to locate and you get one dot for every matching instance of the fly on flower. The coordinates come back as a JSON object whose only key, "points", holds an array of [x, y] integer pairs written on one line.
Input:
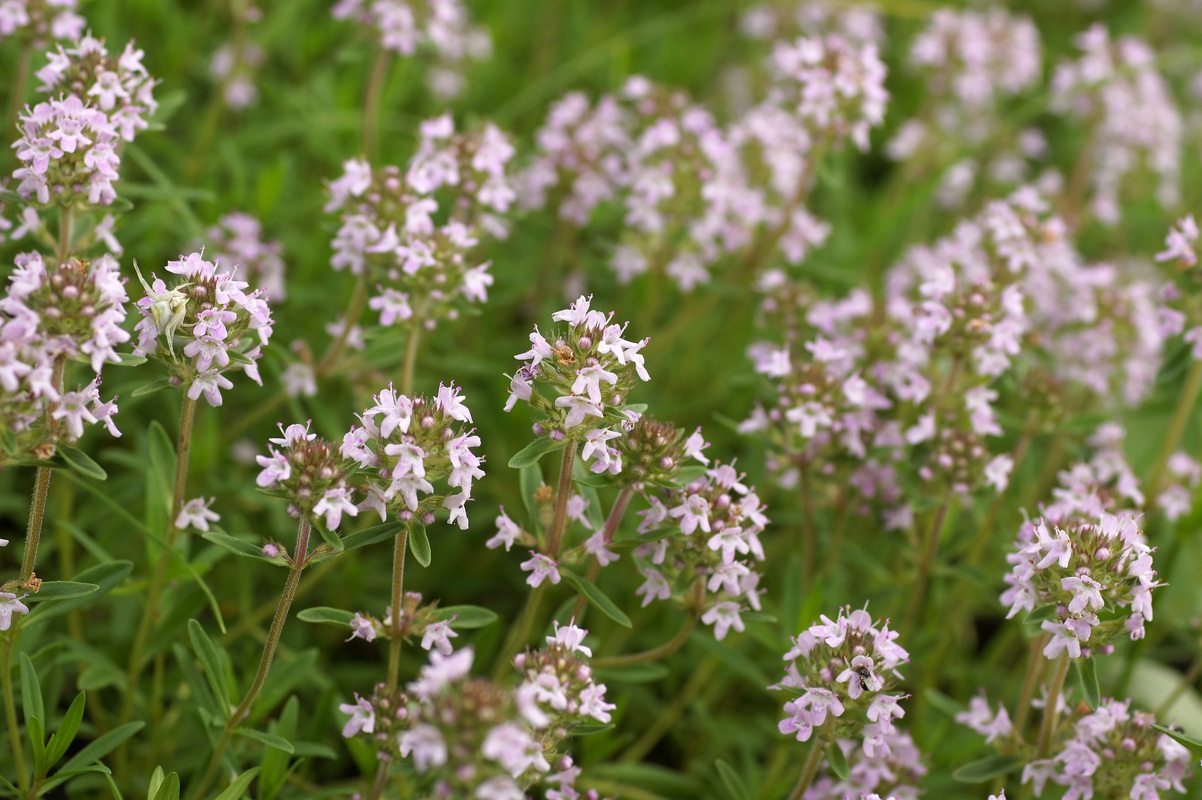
{"points": [[167, 309]]}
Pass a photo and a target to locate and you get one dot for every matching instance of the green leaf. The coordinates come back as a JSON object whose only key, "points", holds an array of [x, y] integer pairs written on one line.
{"points": [[419, 544], [1191, 743], [986, 768], [237, 546], [376, 533], [533, 452], [591, 729], [82, 463], [107, 576], [62, 590], [530, 478], [329, 537], [62, 776], [128, 360], [37, 739], [31, 691], [734, 784], [62, 738], [150, 388], [269, 739], [210, 658], [238, 787], [466, 617], [319, 614], [596, 597], [1087, 679], [837, 760], [101, 746], [169, 788]]}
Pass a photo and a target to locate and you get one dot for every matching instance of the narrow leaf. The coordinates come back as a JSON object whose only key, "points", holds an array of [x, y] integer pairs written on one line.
{"points": [[210, 658], [61, 590], [466, 617], [419, 544], [596, 597], [1191, 743], [65, 735], [269, 739], [31, 691], [734, 784], [986, 768], [837, 760], [1087, 679], [82, 463], [329, 537], [333, 616], [237, 546], [37, 739], [152, 387], [169, 788], [533, 452], [101, 746], [238, 786], [376, 533]]}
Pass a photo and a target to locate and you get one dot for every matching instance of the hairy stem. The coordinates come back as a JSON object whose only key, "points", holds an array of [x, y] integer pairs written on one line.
{"points": [[41, 488], [269, 647], [562, 492], [1049, 709], [398, 598], [809, 770]]}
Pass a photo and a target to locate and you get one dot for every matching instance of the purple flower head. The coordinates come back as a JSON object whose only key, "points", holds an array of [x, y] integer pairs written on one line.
{"points": [[310, 473]]}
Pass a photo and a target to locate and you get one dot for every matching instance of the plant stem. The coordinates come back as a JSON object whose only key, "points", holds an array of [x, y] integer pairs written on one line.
{"points": [[232, 723], [616, 512], [353, 311], [1049, 709], [398, 597], [561, 500], [809, 770], [1185, 406], [668, 717], [10, 708], [1035, 665], [410, 365], [41, 488], [663, 651], [927, 565], [371, 104], [183, 451], [809, 533]]}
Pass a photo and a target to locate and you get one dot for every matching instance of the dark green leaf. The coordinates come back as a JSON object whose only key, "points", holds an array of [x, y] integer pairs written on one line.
{"points": [[169, 788], [235, 545], [62, 776], [589, 730], [533, 452], [376, 533], [62, 738], [596, 597], [152, 387], [107, 576], [128, 360], [61, 590], [239, 785], [466, 617], [419, 543], [82, 463], [1087, 679], [986, 768], [731, 780], [37, 739], [837, 760], [31, 691], [329, 537], [269, 739], [529, 480], [1191, 743], [333, 616], [101, 746], [210, 659]]}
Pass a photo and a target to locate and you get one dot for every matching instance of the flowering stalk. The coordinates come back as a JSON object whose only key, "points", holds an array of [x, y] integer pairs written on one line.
{"points": [[809, 770], [371, 103], [398, 582], [611, 528], [299, 557], [1035, 666], [1049, 709], [667, 648]]}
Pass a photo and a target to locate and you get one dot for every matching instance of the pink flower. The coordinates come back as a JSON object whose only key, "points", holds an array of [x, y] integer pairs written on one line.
{"points": [[541, 568], [723, 617], [363, 717], [196, 514], [333, 504], [439, 636]]}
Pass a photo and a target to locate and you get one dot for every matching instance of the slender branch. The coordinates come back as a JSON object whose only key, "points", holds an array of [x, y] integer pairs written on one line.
{"points": [[232, 723], [616, 512], [654, 654], [398, 599], [669, 716], [927, 565], [1049, 709], [183, 451], [41, 487], [353, 311], [371, 104], [562, 491], [809, 770]]}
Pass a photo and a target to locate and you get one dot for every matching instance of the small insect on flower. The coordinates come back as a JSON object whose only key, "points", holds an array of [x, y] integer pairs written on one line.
{"points": [[167, 309]]}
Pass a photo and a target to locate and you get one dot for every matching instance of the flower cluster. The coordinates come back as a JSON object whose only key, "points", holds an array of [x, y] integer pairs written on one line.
{"points": [[41, 19], [237, 238], [579, 379], [417, 620], [1094, 574], [407, 444], [420, 266], [441, 26], [310, 473], [1113, 752], [656, 454], [472, 737], [218, 326], [68, 147], [706, 532], [893, 770], [52, 313], [1129, 108], [839, 668]]}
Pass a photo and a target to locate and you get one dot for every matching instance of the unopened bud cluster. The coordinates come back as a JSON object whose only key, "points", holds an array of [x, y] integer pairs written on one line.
{"points": [[654, 453], [310, 474]]}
